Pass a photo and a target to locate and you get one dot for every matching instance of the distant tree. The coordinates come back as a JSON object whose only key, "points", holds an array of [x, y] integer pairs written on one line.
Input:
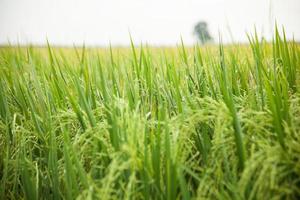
{"points": [[202, 33]]}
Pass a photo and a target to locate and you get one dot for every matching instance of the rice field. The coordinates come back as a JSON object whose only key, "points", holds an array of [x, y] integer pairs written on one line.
{"points": [[212, 122]]}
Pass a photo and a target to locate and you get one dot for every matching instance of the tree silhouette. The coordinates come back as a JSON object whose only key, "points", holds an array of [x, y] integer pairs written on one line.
{"points": [[201, 31]]}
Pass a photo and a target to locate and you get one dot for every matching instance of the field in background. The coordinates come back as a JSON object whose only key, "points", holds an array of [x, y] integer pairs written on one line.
{"points": [[151, 123]]}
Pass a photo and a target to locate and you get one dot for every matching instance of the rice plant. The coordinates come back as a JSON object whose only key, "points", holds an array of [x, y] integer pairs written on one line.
{"points": [[151, 123]]}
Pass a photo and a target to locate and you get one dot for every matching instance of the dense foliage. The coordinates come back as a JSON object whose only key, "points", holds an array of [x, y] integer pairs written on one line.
{"points": [[151, 123]]}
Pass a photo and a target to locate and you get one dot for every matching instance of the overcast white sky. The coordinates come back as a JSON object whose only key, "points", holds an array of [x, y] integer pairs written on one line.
{"points": [[157, 22]]}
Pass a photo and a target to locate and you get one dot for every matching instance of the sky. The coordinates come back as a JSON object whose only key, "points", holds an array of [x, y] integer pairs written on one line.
{"points": [[156, 22]]}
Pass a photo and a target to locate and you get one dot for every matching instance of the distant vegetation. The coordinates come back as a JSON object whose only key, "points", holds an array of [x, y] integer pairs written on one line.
{"points": [[150, 123], [202, 33]]}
